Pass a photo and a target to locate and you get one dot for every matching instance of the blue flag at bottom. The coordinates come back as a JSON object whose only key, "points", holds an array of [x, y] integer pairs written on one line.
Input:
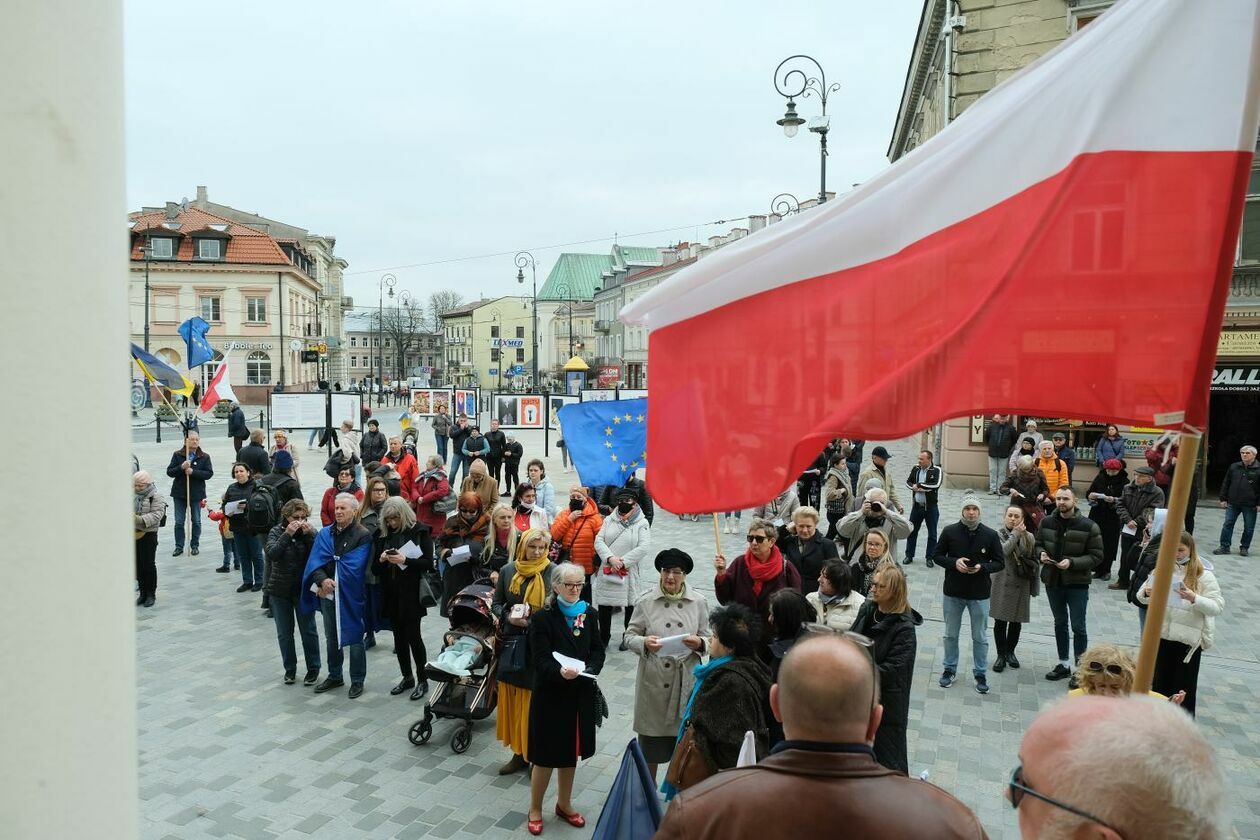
{"points": [[631, 811], [607, 441]]}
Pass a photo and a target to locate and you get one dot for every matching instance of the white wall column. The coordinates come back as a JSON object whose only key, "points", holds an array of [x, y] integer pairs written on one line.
{"points": [[68, 725]]}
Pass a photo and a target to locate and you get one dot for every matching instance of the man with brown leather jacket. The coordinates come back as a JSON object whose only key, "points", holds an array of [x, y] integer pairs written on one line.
{"points": [[821, 782]]}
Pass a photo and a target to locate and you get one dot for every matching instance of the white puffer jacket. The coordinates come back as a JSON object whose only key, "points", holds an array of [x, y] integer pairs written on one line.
{"points": [[1194, 624], [630, 541]]}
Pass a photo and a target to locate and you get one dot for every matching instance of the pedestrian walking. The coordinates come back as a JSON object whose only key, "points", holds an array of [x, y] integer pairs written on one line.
{"points": [[147, 517], [1240, 496], [1069, 548], [664, 679], [888, 620], [1189, 624], [999, 437], [564, 709], [1013, 586], [1104, 494], [924, 483], [970, 552], [189, 470], [288, 548]]}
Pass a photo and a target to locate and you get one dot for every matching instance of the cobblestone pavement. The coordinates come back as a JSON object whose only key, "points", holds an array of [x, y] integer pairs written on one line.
{"points": [[227, 750]]}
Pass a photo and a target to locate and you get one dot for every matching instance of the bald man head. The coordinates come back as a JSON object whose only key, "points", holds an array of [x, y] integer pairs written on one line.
{"points": [[826, 692], [1072, 750]]}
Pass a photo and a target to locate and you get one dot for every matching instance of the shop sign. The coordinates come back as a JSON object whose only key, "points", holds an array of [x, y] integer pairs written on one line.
{"points": [[1236, 378], [1238, 343], [229, 346], [607, 376]]}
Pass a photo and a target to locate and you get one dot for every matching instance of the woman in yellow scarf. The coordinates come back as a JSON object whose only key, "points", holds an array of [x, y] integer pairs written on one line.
{"points": [[522, 588]]}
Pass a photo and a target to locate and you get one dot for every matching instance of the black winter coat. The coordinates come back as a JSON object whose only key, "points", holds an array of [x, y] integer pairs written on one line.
{"points": [[256, 458], [504, 600], [562, 712], [512, 453], [1143, 566], [286, 560], [1078, 539], [608, 497], [237, 492], [498, 442], [809, 559], [1001, 439], [1101, 511], [1134, 500], [202, 471], [285, 485], [400, 588], [1241, 487], [732, 700], [236, 424], [458, 436], [894, 644], [982, 546], [373, 447]]}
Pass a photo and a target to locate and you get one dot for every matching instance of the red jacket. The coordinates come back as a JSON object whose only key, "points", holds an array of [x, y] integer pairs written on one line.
{"points": [[408, 472], [1163, 472], [330, 496], [431, 488]]}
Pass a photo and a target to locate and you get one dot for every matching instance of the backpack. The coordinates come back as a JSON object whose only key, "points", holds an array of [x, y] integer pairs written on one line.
{"points": [[262, 509]]}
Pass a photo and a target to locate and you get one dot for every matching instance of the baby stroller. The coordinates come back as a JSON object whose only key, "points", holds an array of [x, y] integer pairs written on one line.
{"points": [[465, 670]]}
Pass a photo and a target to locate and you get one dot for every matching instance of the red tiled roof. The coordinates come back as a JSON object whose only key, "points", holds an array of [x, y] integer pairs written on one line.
{"points": [[245, 245], [660, 269]]}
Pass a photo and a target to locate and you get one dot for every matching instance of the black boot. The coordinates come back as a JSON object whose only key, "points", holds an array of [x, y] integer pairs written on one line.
{"points": [[1000, 665]]}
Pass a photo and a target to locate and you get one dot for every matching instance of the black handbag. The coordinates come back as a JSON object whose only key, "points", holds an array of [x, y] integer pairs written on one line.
{"points": [[428, 599], [513, 655]]}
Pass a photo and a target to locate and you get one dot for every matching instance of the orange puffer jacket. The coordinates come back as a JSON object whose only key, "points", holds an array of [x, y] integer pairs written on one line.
{"points": [[1055, 471], [578, 535]]}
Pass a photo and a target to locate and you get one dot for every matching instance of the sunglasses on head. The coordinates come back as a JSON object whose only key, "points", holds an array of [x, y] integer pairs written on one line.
{"points": [[755, 538], [1111, 668]]}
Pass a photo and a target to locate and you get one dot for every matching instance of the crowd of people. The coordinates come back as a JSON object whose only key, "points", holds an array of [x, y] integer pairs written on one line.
{"points": [[398, 541]]}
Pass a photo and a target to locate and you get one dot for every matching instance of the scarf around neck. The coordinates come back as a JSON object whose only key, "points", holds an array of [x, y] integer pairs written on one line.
{"points": [[529, 575], [673, 598], [763, 570], [571, 611]]}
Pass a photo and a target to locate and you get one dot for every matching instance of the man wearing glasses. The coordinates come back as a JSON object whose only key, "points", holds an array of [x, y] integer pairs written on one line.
{"points": [[1123, 768], [822, 781]]}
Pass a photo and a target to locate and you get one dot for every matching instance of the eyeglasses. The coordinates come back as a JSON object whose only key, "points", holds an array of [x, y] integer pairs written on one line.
{"points": [[673, 572], [466, 510], [1111, 668], [756, 539], [1018, 787], [573, 587], [863, 642]]}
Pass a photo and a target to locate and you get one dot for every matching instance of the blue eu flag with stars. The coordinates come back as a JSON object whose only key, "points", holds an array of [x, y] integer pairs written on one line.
{"points": [[607, 441], [194, 334]]}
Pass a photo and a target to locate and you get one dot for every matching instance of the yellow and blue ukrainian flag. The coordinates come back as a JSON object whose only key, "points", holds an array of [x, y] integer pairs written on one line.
{"points": [[156, 370]]}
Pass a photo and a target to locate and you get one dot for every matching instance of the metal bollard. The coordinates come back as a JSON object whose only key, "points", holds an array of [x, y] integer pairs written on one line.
{"points": [[158, 420]]}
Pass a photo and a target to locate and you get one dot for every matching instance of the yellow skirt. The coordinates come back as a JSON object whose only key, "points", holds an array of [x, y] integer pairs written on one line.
{"points": [[512, 726]]}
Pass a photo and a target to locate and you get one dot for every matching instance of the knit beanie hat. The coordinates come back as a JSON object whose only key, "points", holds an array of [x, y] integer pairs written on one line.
{"points": [[970, 499], [284, 460]]}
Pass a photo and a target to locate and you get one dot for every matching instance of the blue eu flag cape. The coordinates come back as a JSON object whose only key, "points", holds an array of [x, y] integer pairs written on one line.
{"points": [[632, 811], [194, 334], [350, 596], [607, 441]]}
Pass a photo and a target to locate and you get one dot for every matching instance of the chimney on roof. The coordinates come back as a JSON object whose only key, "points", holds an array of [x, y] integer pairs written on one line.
{"points": [[736, 233], [669, 256], [201, 198], [172, 210], [756, 223]]}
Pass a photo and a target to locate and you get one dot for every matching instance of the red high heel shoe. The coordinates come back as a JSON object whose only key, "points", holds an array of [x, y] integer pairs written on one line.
{"points": [[535, 826], [575, 819]]}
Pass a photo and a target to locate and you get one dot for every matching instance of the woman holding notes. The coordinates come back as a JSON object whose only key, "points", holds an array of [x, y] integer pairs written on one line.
{"points": [[402, 554], [668, 635], [567, 654]]}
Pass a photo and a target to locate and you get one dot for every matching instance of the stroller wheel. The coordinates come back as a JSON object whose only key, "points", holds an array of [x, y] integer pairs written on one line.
{"points": [[461, 740], [420, 732]]}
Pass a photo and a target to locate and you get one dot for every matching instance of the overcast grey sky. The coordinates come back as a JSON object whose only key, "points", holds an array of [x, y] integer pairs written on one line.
{"points": [[421, 131]]}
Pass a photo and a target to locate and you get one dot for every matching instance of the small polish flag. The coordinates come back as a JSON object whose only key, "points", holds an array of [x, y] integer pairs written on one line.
{"points": [[220, 389]]}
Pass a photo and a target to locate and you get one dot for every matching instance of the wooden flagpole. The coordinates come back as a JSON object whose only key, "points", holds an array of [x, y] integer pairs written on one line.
{"points": [[1161, 578], [717, 538], [187, 476]]}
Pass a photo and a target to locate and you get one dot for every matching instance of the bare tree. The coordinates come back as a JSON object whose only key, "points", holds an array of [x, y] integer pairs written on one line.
{"points": [[440, 302], [402, 326]]}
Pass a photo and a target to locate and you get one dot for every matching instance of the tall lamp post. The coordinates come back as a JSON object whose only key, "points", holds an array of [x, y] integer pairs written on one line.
{"points": [[405, 300], [525, 258], [147, 251], [784, 205], [794, 83], [387, 282], [563, 290], [495, 319]]}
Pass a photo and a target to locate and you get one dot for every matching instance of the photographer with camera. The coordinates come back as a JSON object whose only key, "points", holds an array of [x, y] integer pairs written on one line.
{"points": [[874, 515]]}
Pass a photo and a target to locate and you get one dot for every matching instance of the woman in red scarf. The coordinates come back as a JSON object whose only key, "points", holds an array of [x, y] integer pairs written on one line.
{"points": [[470, 526], [751, 579]]}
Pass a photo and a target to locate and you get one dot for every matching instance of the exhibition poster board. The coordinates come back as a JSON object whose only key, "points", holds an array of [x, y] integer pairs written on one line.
{"points": [[465, 403], [518, 411], [425, 401], [554, 403], [598, 394], [309, 410]]}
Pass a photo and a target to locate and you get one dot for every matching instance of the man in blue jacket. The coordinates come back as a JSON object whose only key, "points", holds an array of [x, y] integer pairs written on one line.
{"points": [[969, 551], [190, 469]]}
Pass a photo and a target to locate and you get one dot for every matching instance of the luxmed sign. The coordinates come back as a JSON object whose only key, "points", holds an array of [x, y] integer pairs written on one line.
{"points": [[1236, 378]]}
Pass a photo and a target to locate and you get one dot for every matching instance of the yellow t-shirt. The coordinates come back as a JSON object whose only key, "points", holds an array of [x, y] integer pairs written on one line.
{"points": [[1080, 692]]}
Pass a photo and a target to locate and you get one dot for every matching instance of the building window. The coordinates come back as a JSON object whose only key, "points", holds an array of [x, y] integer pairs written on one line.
{"points": [[255, 310], [161, 248], [520, 332], [520, 354], [165, 307], [209, 249], [494, 331], [387, 343], [354, 361], [354, 341], [212, 308], [257, 368], [494, 354]]}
